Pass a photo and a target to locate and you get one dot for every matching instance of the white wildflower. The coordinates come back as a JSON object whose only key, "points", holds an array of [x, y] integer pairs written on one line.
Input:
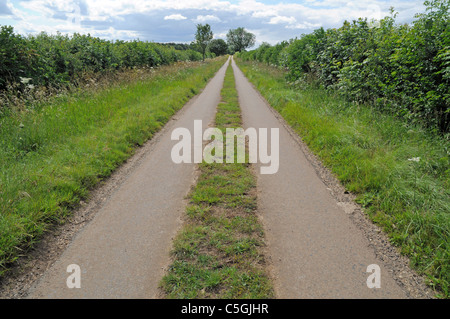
{"points": [[414, 159], [25, 80]]}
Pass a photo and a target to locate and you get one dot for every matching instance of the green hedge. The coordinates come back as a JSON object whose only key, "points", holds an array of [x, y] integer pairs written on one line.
{"points": [[53, 60], [398, 68]]}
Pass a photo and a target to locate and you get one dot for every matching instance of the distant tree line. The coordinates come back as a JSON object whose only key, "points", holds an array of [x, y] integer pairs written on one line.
{"points": [[237, 40]]}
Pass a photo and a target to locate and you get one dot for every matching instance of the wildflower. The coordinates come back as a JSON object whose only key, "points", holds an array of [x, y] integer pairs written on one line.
{"points": [[25, 80], [30, 86], [414, 159]]}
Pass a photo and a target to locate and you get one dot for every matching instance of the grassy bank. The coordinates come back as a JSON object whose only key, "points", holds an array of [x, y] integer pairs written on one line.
{"points": [[52, 155], [399, 172], [218, 253]]}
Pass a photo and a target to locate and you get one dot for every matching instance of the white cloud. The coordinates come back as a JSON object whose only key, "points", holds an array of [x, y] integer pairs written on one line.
{"points": [[222, 35], [112, 33], [264, 13], [206, 18], [305, 25], [175, 17], [282, 19], [270, 21]]}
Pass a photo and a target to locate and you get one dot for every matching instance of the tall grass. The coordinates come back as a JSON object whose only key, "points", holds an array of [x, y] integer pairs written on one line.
{"points": [[399, 171], [52, 155]]}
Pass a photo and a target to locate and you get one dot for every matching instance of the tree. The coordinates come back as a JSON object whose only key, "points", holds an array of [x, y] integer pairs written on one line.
{"points": [[218, 47], [203, 37], [239, 39]]}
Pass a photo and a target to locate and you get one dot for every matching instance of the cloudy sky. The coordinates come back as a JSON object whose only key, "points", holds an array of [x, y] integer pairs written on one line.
{"points": [[175, 20]]}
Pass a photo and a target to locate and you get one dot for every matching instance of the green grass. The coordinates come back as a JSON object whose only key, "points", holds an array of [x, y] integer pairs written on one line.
{"points": [[218, 253], [51, 156], [369, 151]]}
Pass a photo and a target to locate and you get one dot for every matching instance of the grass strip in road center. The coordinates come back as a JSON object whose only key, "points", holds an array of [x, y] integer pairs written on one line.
{"points": [[219, 251]]}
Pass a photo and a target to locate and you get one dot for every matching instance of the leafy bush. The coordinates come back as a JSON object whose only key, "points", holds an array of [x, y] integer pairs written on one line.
{"points": [[54, 60], [401, 69]]}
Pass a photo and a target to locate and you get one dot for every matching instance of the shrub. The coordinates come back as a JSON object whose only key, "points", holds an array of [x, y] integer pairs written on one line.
{"points": [[401, 69]]}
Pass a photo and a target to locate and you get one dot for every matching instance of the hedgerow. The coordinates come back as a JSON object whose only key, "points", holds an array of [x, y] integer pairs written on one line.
{"points": [[398, 68], [56, 60]]}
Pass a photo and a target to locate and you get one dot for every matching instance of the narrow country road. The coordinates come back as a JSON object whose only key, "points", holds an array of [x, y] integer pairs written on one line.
{"points": [[122, 251], [315, 249]]}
